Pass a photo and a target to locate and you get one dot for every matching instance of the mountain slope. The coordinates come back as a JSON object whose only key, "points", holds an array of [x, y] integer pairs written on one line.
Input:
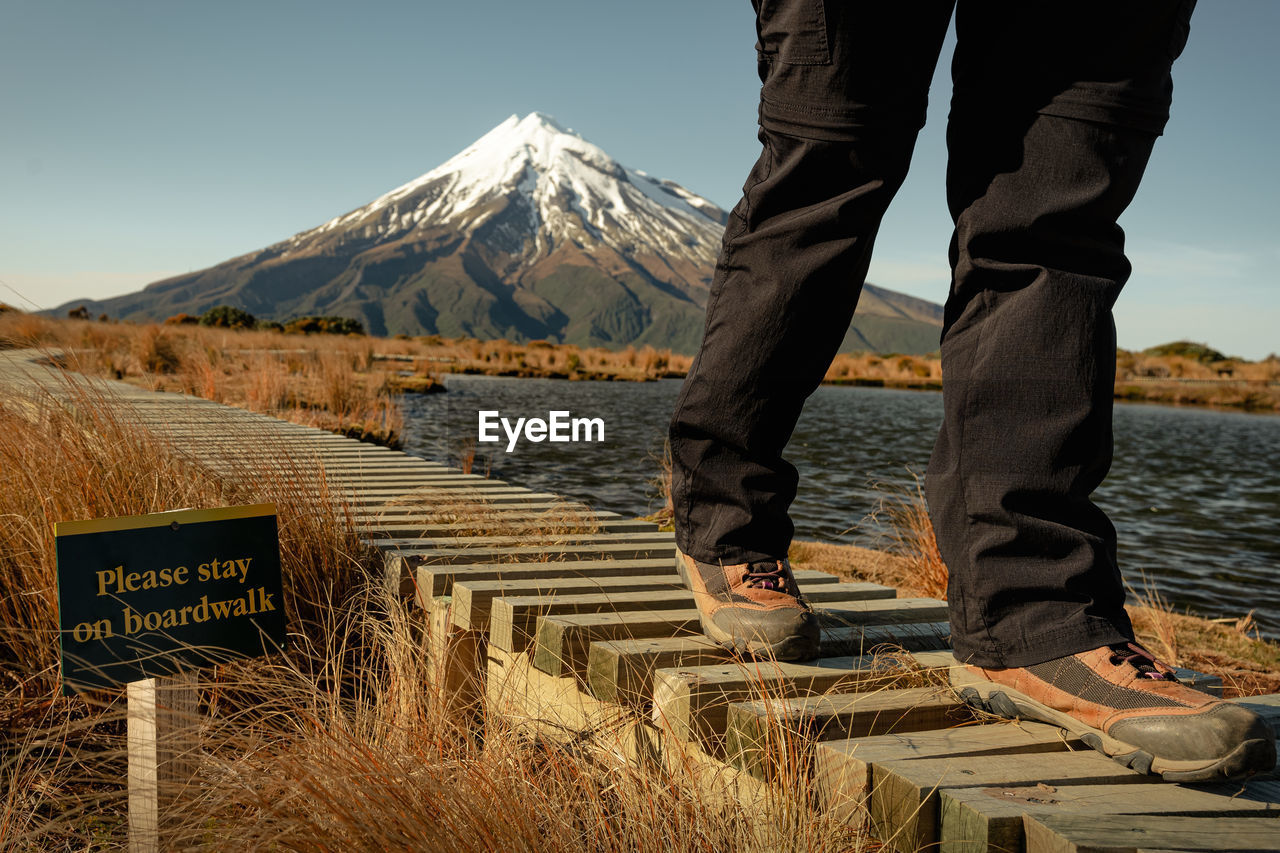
{"points": [[530, 232]]}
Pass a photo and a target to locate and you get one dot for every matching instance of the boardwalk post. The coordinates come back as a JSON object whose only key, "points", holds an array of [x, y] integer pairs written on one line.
{"points": [[163, 728]]}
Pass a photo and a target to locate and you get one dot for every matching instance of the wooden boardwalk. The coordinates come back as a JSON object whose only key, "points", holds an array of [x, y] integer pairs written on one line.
{"points": [[572, 620]]}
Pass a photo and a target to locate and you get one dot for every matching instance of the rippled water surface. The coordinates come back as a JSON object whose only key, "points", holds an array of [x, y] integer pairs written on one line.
{"points": [[1195, 494]]}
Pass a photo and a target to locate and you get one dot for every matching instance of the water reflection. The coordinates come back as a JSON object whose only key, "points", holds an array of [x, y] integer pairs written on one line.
{"points": [[1194, 493]]}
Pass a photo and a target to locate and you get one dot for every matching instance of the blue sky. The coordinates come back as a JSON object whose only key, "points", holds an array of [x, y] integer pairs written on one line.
{"points": [[144, 139]]}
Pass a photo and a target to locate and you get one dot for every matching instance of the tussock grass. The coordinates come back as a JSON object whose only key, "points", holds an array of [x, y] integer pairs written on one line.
{"points": [[328, 381], [906, 554]]}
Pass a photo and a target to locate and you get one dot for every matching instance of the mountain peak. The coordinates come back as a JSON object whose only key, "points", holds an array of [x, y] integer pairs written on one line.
{"points": [[541, 120], [549, 187]]}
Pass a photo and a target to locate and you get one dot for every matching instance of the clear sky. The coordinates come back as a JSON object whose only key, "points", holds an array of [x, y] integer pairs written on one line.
{"points": [[144, 139]]}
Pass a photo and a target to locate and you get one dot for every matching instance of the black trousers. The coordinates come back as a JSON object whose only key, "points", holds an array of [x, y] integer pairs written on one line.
{"points": [[1054, 112]]}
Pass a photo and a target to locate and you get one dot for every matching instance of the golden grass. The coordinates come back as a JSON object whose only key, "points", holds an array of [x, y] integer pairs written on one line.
{"points": [[348, 383], [332, 382]]}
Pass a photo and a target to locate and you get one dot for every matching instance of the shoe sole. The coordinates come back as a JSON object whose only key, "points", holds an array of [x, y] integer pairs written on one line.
{"points": [[794, 648], [1245, 760]]}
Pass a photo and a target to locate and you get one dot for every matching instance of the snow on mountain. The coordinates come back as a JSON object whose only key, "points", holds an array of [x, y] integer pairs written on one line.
{"points": [[567, 190]]}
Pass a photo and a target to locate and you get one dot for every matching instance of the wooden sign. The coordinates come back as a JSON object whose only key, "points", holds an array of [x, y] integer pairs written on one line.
{"points": [[150, 595]]}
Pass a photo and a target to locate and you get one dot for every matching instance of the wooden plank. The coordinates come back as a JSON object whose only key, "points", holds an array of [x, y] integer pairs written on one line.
{"points": [[896, 611], [512, 622], [552, 707], [433, 580], [904, 792], [534, 539], [992, 818], [842, 769], [565, 648], [839, 611], [473, 511], [475, 497], [457, 658], [426, 486], [692, 703], [874, 639], [513, 553], [402, 496], [555, 708], [560, 648], [529, 523], [336, 459], [472, 600], [762, 734], [411, 486], [622, 671], [513, 619], [333, 466], [1133, 833], [1267, 707]]}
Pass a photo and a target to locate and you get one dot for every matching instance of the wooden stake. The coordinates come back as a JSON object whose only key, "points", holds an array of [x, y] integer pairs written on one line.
{"points": [[162, 739]]}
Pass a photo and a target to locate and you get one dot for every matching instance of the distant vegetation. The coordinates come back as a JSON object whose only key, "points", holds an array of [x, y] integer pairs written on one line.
{"points": [[183, 355], [325, 325], [228, 317], [342, 384], [1202, 353], [231, 317]]}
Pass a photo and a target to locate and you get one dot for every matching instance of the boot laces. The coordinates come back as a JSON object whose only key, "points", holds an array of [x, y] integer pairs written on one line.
{"points": [[772, 575], [1140, 659]]}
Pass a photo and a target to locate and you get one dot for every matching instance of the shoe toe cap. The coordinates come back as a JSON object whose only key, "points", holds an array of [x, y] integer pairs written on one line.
{"points": [[1212, 733], [785, 634]]}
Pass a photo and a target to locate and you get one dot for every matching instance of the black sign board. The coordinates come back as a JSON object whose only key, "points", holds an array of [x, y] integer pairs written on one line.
{"points": [[149, 595]]}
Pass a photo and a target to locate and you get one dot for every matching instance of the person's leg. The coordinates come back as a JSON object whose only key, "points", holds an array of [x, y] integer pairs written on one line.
{"points": [[1055, 112], [845, 87]]}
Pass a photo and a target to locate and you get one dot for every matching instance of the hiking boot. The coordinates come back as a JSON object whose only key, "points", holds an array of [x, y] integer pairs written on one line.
{"points": [[753, 608], [1122, 702]]}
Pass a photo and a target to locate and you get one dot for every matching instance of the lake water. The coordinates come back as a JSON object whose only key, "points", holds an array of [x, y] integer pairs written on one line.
{"points": [[1194, 493]]}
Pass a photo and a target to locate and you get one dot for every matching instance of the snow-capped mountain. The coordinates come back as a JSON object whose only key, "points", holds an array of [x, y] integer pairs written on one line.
{"points": [[529, 189], [530, 232], [531, 178]]}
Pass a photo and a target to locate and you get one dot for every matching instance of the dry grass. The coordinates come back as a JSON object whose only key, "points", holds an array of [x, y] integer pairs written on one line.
{"points": [[906, 555], [345, 741], [1230, 649], [332, 382], [889, 371], [293, 376], [63, 756], [1180, 380]]}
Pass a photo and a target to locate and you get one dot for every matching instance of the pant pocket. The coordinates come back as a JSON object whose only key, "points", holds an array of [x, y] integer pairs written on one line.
{"points": [[792, 31]]}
